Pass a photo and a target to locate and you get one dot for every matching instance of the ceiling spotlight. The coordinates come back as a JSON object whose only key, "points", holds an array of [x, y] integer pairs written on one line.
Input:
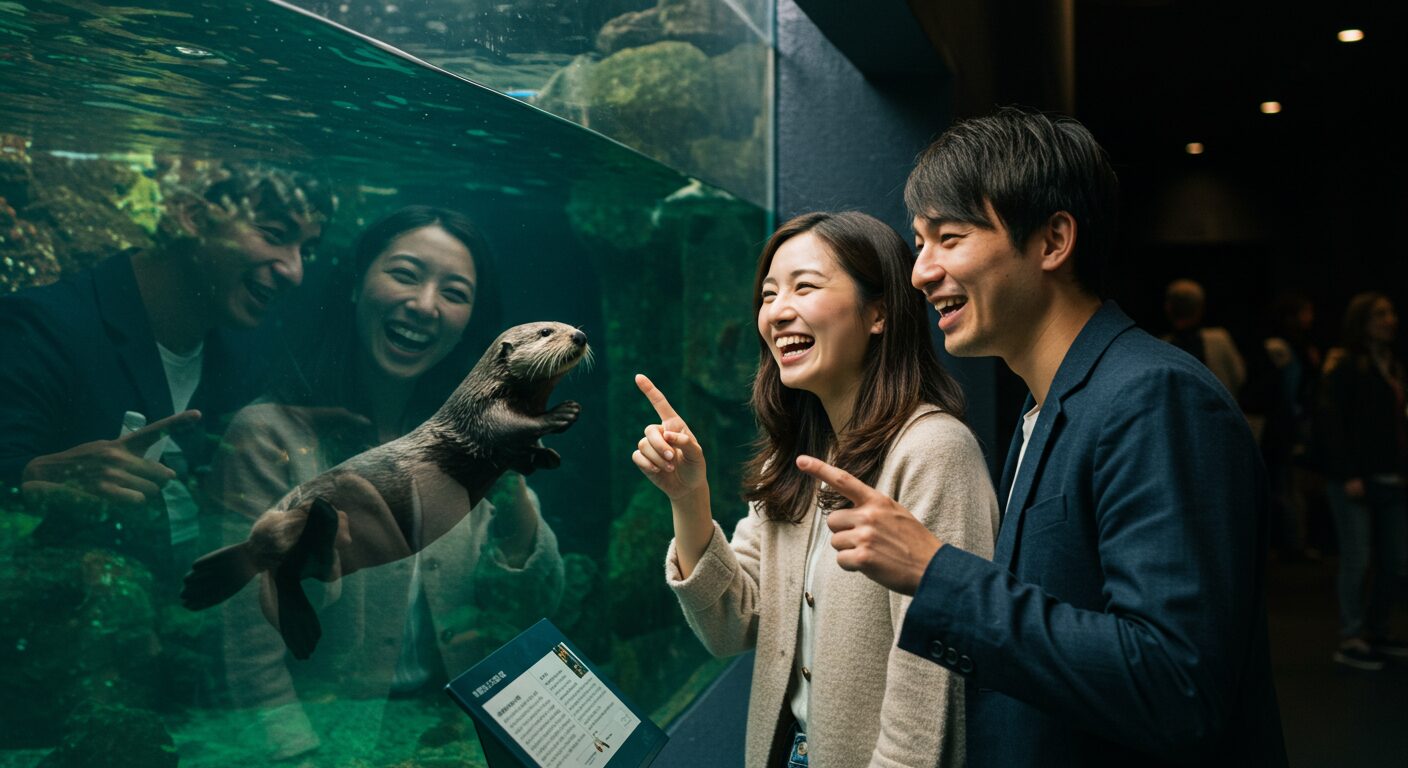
{"points": [[1270, 107], [1195, 148], [1351, 35]]}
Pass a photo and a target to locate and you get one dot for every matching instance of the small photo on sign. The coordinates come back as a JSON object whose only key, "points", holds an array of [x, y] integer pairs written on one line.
{"points": [[573, 663]]}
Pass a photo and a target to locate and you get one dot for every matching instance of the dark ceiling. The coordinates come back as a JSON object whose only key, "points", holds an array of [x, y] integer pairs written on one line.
{"points": [[1304, 201], [1152, 76]]}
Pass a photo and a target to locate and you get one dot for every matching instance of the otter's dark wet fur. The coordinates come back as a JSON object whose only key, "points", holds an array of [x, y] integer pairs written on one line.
{"points": [[491, 423]]}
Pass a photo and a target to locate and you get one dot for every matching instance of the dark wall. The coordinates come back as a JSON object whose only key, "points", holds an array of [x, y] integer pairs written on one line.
{"points": [[848, 141]]}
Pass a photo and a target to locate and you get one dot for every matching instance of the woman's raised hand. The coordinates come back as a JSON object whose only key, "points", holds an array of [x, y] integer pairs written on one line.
{"points": [[668, 454]]}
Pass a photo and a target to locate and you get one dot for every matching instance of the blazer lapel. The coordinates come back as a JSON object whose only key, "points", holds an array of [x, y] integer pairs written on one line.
{"points": [[1009, 467], [1092, 341], [1005, 550], [120, 304]]}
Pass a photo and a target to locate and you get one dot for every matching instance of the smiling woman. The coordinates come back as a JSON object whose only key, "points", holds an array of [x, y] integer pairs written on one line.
{"points": [[378, 367], [414, 302], [846, 370], [424, 304]]}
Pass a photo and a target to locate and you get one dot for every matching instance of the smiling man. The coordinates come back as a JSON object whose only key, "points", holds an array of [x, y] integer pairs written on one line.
{"points": [[1121, 621], [152, 338]]}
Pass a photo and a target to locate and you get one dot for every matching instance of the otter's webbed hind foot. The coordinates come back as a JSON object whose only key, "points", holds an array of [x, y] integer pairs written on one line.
{"points": [[311, 555], [217, 577]]}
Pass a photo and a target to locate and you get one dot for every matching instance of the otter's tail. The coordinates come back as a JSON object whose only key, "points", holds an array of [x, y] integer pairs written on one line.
{"points": [[218, 576]]}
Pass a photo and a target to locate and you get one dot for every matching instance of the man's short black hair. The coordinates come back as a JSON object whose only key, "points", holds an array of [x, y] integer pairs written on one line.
{"points": [[1029, 166]]}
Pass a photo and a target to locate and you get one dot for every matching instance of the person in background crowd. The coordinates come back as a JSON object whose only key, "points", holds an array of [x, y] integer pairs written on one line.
{"points": [[1184, 305], [1366, 464], [1289, 377]]}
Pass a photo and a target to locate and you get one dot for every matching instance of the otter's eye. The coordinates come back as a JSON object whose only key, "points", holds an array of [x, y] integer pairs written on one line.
{"points": [[545, 332]]}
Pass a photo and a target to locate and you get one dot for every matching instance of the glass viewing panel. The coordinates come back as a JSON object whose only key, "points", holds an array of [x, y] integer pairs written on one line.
{"points": [[196, 173], [687, 82]]}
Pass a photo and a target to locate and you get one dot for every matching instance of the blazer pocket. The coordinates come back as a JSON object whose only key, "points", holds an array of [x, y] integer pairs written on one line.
{"points": [[1044, 514]]}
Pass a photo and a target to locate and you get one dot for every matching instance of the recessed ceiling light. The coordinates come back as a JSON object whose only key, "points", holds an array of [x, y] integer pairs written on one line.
{"points": [[1195, 148], [1351, 35], [1270, 107]]}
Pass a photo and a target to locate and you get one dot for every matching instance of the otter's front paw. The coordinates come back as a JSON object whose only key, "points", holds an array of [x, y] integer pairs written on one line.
{"points": [[562, 415]]}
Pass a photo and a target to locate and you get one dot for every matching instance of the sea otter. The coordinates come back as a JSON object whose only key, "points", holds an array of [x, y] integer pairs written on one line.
{"points": [[385, 504]]}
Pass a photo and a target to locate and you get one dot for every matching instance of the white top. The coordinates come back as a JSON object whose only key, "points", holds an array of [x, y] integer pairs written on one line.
{"points": [[819, 551], [182, 374], [182, 378], [1028, 424]]}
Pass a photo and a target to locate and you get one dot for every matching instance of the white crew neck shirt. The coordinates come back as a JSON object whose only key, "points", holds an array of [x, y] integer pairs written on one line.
{"points": [[182, 378], [1028, 424]]}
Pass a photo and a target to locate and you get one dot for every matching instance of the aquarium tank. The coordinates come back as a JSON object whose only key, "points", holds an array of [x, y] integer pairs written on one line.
{"points": [[184, 186]]}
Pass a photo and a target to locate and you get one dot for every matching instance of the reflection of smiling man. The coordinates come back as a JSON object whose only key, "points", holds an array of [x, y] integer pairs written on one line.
{"points": [[154, 333], [1122, 620]]}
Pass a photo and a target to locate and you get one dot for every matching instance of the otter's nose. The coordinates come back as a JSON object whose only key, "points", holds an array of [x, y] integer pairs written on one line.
{"points": [[579, 338]]}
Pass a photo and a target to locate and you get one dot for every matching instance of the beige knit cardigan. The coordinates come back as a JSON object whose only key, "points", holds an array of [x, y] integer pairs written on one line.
{"points": [[871, 703]]}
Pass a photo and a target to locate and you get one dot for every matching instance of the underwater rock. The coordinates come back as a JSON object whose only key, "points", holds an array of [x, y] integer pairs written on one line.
{"points": [[663, 669], [58, 216], [78, 200], [701, 115], [15, 178], [114, 736], [709, 25], [565, 93], [580, 590], [75, 520], [655, 98], [733, 163], [740, 76], [79, 627], [635, 577], [26, 250]]}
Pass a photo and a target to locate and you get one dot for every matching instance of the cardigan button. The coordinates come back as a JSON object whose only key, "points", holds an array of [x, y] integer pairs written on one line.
{"points": [[807, 673], [811, 601]]}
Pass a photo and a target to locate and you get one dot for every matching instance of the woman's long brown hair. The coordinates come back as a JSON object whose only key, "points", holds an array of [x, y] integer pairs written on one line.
{"points": [[900, 372]]}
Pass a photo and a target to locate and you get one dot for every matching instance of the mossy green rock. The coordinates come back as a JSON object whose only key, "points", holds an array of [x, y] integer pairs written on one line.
{"points": [[710, 25], [113, 736], [80, 627]]}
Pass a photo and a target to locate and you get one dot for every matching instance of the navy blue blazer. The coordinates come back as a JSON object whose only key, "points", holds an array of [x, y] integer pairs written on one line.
{"points": [[1122, 620], [80, 353]]}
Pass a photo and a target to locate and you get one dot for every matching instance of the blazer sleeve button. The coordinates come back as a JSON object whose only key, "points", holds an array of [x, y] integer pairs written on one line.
{"points": [[951, 656], [965, 664], [936, 649]]}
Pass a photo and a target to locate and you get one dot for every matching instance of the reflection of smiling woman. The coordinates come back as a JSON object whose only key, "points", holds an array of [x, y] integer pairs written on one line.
{"points": [[413, 305], [846, 370], [391, 360]]}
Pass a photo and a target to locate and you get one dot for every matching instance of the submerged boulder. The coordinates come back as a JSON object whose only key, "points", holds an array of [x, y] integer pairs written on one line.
{"points": [[115, 736], [708, 25], [80, 628]]}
